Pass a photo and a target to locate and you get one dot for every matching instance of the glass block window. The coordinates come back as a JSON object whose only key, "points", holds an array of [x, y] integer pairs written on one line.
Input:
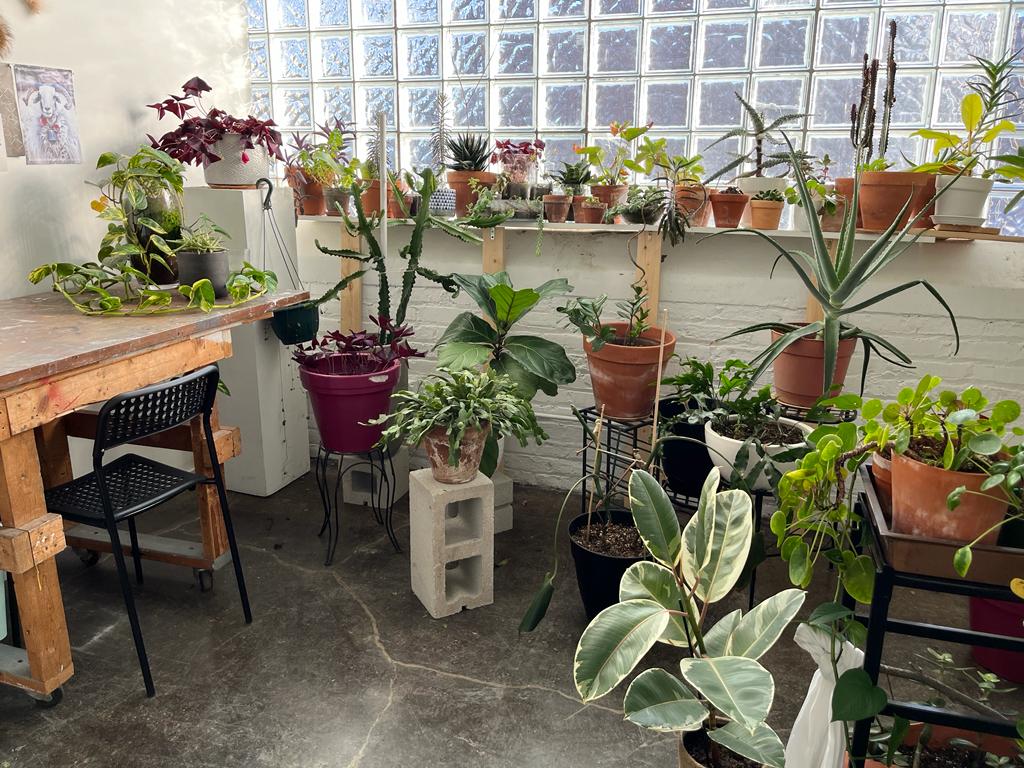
{"points": [[564, 69]]}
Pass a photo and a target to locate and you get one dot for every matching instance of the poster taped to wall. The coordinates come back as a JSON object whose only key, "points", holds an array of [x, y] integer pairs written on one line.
{"points": [[9, 113], [46, 108]]}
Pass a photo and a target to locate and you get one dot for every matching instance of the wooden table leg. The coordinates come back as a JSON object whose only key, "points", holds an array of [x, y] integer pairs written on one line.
{"points": [[40, 607], [54, 456], [211, 521]]}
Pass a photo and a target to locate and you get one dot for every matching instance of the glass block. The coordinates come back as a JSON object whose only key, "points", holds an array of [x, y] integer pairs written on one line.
{"points": [[259, 59], [839, 150], [391, 149], [293, 107], [1012, 223], [772, 5], [514, 105], [469, 106], [667, 104], [616, 49], [559, 149], [466, 10], [259, 104], [564, 50], [563, 105], [672, 6], [670, 47], [950, 90], [612, 101], [420, 55], [517, 9], [725, 43], [515, 52], [290, 58], [718, 156], [970, 32], [333, 57], [287, 14], [564, 9], [717, 105], [776, 96], [417, 153], [375, 56], [374, 13], [330, 13], [904, 151], [727, 5], [468, 52], [419, 106], [843, 39], [333, 102], [1017, 32], [782, 41], [912, 98], [418, 12], [832, 98], [616, 7], [915, 37], [255, 15], [374, 100]]}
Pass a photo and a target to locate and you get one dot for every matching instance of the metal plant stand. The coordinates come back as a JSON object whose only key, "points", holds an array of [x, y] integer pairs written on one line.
{"points": [[381, 495]]}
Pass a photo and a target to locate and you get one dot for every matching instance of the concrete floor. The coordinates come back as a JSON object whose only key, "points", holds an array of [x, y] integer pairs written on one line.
{"points": [[343, 666]]}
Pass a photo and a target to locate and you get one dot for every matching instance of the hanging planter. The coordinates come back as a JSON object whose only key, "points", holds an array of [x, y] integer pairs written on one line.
{"points": [[297, 324]]}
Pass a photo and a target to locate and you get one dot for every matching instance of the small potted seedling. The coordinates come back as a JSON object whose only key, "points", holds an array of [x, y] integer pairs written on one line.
{"points": [[201, 255], [556, 207], [766, 209], [728, 206], [589, 210], [574, 178]]}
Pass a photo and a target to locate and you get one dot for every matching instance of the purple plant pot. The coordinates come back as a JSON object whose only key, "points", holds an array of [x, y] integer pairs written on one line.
{"points": [[342, 405]]}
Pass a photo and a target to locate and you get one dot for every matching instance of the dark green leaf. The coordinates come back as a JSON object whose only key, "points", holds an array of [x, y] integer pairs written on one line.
{"points": [[856, 698]]}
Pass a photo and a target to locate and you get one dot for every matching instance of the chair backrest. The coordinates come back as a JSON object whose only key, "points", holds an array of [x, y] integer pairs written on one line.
{"points": [[134, 415]]}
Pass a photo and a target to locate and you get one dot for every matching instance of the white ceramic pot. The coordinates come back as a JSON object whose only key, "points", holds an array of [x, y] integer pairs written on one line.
{"points": [[799, 218], [231, 170], [966, 197], [723, 450]]}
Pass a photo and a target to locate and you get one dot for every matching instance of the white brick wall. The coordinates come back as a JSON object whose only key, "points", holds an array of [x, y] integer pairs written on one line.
{"points": [[709, 290]]}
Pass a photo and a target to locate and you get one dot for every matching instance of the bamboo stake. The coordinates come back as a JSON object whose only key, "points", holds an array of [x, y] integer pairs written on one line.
{"points": [[657, 385]]}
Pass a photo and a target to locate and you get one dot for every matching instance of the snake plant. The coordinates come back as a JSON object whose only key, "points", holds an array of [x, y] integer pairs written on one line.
{"points": [[836, 282]]}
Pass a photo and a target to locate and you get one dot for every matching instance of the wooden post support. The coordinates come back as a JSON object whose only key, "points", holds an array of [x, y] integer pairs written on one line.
{"points": [[494, 250], [814, 312], [211, 519], [54, 456], [648, 259], [352, 295]]}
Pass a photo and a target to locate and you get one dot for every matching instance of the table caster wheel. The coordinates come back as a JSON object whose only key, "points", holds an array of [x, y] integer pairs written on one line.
{"points": [[204, 579], [49, 700], [89, 557]]}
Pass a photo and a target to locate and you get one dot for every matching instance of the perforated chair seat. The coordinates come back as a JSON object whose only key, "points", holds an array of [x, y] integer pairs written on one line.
{"points": [[134, 484]]}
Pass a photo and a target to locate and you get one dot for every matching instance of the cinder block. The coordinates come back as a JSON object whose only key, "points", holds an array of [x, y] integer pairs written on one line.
{"points": [[502, 501], [503, 518], [357, 484], [451, 543]]}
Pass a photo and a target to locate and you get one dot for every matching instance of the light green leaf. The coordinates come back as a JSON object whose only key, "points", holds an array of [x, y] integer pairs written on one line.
{"points": [[460, 355], [741, 688], [660, 702], [1003, 126], [761, 746], [986, 443], [614, 643], [962, 559], [716, 639], [655, 517], [754, 634], [972, 108], [718, 534], [859, 578], [653, 581], [510, 305]]}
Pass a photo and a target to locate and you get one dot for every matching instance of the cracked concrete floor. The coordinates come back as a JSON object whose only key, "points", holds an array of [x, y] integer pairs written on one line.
{"points": [[342, 666]]}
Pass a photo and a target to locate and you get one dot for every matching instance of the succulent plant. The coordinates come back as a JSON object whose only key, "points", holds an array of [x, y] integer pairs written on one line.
{"points": [[469, 152]]}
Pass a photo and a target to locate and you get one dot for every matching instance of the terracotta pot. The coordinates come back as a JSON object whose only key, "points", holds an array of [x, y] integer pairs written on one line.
{"points": [[728, 208], [800, 370], [311, 198], [611, 195], [884, 193], [470, 452], [692, 199], [844, 187], [765, 214], [370, 199], [833, 222], [941, 736], [923, 193], [556, 208], [919, 508], [464, 196], [881, 470], [577, 201], [590, 213], [624, 378]]}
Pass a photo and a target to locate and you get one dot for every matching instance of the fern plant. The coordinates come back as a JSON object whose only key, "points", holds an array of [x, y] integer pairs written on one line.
{"points": [[761, 130], [468, 152]]}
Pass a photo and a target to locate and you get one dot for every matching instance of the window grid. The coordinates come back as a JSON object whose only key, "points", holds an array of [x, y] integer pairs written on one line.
{"points": [[492, 92]]}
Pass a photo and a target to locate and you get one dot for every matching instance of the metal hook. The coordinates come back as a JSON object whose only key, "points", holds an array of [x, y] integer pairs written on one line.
{"points": [[270, 191]]}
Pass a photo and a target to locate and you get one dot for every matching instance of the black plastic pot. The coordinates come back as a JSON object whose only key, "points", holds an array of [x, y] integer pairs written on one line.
{"points": [[649, 216], [296, 324], [686, 464], [599, 575]]}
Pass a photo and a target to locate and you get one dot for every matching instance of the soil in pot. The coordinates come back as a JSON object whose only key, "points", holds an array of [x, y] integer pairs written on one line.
{"points": [[623, 376], [940, 755], [589, 213], [765, 214], [611, 195], [697, 748], [464, 196], [213, 266], [613, 545], [799, 371], [884, 193], [844, 186], [556, 208], [728, 208], [919, 494], [693, 200], [686, 464], [471, 451]]}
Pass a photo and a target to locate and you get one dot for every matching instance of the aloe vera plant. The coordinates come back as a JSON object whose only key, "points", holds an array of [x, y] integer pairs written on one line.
{"points": [[836, 282]]}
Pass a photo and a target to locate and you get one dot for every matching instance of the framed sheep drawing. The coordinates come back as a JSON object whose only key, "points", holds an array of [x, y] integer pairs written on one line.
{"points": [[46, 111]]}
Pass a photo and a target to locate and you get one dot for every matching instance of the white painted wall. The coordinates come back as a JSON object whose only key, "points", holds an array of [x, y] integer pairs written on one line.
{"points": [[125, 54], [711, 289]]}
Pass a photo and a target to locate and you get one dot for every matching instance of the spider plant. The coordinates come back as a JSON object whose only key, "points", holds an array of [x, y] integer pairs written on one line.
{"points": [[836, 283]]}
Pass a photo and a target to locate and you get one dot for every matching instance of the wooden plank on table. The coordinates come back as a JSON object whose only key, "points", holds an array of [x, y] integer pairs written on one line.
{"points": [[35, 404], [494, 250], [648, 259], [227, 440], [351, 297], [14, 670]]}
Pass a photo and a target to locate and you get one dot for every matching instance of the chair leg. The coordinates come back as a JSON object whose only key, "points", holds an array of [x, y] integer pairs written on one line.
{"points": [[136, 555], [129, 603]]}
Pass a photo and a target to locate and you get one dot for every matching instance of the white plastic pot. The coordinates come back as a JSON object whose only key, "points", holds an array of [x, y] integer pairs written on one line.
{"points": [[723, 450], [799, 219], [231, 170], [965, 198]]}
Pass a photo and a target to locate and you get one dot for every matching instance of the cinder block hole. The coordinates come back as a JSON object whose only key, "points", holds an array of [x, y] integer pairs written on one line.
{"points": [[462, 579], [463, 521], [362, 481]]}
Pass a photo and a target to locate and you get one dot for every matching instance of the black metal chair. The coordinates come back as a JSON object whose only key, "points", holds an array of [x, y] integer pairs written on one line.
{"points": [[132, 484]]}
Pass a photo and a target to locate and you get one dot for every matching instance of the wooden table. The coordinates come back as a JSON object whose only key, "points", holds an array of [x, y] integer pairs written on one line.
{"points": [[55, 361]]}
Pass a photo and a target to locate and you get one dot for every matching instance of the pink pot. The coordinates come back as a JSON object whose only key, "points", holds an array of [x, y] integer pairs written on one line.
{"points": [[999, 617], [342, 405]]}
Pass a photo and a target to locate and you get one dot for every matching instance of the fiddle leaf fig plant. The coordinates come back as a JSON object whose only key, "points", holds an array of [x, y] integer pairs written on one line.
{"points": [[723, 690]]}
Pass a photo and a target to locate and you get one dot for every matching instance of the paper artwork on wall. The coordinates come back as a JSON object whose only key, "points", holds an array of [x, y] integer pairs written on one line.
{"points": [[3, 147], [46, 109], [9, 113]]}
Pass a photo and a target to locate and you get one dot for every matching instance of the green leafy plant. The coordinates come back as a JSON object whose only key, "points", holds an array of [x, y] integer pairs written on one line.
{"points": [[204, 235], [771, 195], [457, 401], [573, 177], [585, 315], [761, 130], [693, 390], [323, 156], [643, 201], [681, 169], [610, 161], [468, 152], [724, 689]]}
